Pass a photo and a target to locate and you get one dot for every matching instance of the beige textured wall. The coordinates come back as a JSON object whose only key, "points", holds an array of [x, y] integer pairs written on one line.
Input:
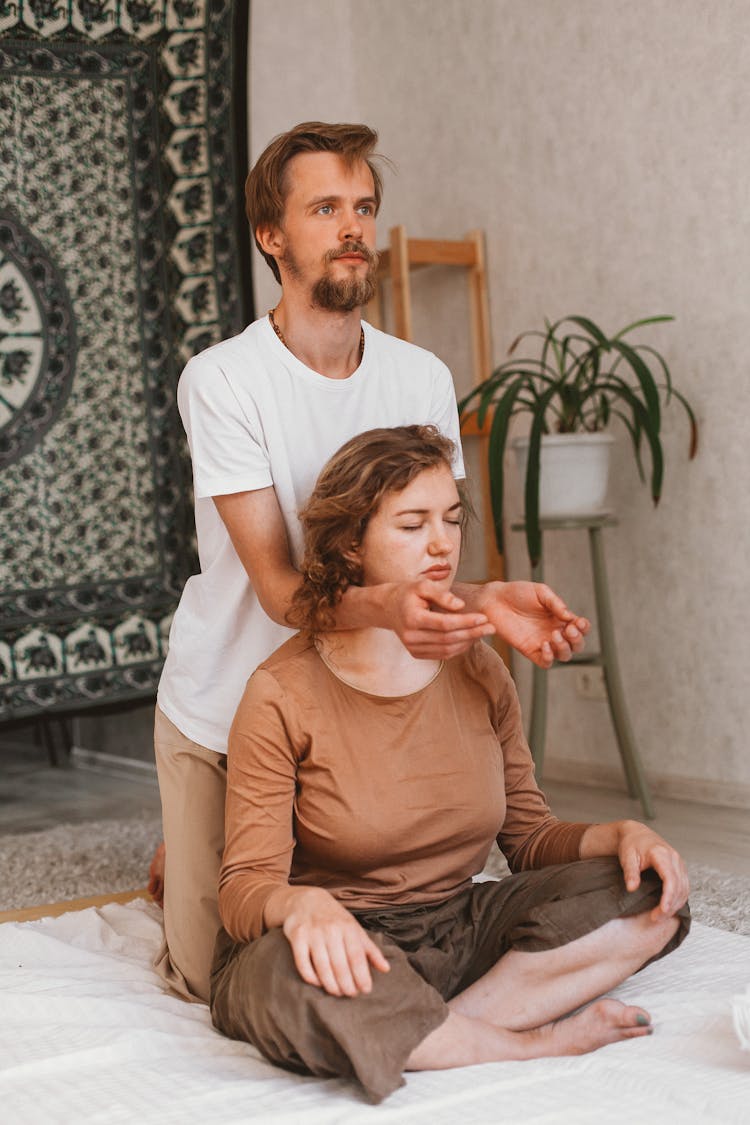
{"points": [[603, 148]]}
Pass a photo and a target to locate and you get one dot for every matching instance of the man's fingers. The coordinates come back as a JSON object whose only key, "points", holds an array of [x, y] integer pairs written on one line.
{"points": [[560, 646], [577, 629], [443, 646], [426, 621], [446, 599], [574, 638], [553, 602], [437, 621], [443, 636], [574, 627], [446, 605]]}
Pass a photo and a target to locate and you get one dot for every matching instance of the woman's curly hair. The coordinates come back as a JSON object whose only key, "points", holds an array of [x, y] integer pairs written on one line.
{"points": [[347, 493]]}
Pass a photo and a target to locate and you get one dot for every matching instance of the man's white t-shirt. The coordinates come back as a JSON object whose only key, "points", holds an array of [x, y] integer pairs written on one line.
{"points": [[256, 416]]}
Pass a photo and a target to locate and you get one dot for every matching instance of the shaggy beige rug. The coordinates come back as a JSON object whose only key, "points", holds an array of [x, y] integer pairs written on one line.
{"points": [[76, 861], [105, 856]]}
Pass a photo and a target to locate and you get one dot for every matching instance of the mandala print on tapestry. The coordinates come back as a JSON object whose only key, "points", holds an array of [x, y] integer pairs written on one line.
{"points": [[123, 251]]}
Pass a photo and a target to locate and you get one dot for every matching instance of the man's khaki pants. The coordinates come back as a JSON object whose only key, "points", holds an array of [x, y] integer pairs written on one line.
{"points": [[192, 783]]}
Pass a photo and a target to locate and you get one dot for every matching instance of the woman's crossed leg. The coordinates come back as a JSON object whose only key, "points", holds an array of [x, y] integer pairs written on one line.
{"points": [[516, 1010]]}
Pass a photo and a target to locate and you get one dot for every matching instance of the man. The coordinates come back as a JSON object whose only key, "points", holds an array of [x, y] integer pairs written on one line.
{"points": [[263, 412]]}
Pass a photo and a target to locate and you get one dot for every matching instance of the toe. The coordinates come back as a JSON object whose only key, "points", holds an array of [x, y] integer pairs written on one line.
{"points": [[637, 1017]]}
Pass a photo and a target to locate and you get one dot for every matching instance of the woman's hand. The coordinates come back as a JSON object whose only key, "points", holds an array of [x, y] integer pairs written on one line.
{"points": [[330, 948], [638, 847]]}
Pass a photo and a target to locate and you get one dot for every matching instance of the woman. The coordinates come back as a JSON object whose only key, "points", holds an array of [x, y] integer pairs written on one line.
{"points": [[365, 789]]}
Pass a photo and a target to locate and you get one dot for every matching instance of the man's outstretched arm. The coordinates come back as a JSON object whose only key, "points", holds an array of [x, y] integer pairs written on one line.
{"points": [[258, 533], [431, 623]]}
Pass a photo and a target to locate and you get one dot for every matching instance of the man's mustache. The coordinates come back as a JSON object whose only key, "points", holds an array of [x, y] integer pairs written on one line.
{"points": [[371, 256]]}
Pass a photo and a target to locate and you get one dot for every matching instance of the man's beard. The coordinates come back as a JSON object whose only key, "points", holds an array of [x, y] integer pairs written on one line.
{"points": [[344, 295], [347, 293]]}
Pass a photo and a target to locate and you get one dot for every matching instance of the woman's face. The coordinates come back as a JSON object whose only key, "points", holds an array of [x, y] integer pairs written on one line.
{"points": [[415, 534]]}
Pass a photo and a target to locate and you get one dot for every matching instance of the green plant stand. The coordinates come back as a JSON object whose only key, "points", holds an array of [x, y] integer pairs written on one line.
{"points": [[606, 659]]}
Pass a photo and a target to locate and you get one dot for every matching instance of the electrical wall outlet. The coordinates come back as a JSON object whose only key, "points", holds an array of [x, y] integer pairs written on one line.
{"points": [[590, 683]]}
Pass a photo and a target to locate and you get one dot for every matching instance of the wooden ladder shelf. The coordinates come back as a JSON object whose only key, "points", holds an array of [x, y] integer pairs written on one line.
{"points": [[404, 255]]}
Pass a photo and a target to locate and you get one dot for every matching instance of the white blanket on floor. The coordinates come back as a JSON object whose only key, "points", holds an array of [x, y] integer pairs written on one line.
{"points": [[87, 1034]]}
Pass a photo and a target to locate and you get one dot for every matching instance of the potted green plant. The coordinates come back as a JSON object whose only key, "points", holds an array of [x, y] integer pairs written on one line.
{"points": [[578, 383]]}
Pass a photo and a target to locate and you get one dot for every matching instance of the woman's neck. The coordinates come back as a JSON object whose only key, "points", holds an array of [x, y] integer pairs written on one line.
{"points": [[375, 661]]}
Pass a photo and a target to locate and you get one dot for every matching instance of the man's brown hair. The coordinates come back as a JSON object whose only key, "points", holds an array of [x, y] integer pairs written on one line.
{"points": [[265, 186]]}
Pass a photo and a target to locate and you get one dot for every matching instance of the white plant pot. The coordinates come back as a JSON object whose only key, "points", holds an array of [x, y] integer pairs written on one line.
{"points": [[574, 472]]}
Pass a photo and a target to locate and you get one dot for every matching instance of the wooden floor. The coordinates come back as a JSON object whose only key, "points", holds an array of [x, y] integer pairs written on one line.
{"points": [[34, 795]]}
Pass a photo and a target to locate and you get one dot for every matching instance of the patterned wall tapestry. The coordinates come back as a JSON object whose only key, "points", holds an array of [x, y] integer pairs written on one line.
{"points": [[122, 252]]}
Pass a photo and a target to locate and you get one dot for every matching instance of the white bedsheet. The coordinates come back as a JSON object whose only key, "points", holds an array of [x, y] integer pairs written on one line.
{"points": [[88, 1035]]}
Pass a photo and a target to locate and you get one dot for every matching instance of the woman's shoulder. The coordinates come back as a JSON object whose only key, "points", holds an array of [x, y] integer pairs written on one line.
{"points": [[283, 684], [292, 663]]}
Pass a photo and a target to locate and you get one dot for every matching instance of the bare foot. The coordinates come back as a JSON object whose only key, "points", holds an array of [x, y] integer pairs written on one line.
{"points": [[604, 1021], [156, 875], [464, 1041]]}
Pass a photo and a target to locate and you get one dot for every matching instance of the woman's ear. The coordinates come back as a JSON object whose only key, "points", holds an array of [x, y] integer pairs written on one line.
{"points": [[354, 553]]}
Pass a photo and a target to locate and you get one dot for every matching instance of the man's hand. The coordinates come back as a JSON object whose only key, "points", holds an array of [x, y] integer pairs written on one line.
{"points": [[330, 948], [428, 620], [638, 847], [530, 617]]}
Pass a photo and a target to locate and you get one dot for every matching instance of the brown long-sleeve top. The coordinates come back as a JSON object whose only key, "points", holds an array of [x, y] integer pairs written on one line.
{"points": [[380, 800]]}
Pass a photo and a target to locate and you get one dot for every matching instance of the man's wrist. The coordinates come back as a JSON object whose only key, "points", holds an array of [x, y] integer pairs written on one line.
{"points": [[477, 595], [364, 607]]}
